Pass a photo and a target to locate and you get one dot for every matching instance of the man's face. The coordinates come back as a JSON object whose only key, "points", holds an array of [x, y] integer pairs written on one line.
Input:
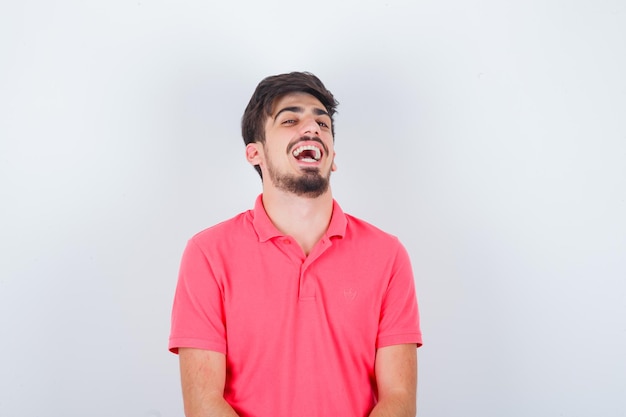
{"points": [[298, 153]]}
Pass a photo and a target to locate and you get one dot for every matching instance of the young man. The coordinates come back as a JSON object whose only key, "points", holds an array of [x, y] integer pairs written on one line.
{"points": [[294, 308]]}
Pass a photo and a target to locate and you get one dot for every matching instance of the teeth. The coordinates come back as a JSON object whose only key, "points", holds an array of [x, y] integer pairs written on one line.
{"points": [[317, 153]]}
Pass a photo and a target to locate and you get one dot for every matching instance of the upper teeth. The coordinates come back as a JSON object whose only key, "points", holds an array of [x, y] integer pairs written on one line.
{"points": [[317, 153]]}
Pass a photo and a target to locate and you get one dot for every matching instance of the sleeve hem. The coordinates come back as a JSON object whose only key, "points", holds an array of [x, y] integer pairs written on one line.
{"points": [[187, 342], [397, 339]]}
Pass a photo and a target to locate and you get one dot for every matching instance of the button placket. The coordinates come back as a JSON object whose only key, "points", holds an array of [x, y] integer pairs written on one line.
{"points": [[307, 284], [308, 281]]}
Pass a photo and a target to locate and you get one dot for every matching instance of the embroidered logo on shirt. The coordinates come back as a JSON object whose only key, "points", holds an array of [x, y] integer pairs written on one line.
{"points": [[349, 293]]}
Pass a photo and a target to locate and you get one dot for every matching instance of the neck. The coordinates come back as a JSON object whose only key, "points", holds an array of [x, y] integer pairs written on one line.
{"points": [[305, 219]]}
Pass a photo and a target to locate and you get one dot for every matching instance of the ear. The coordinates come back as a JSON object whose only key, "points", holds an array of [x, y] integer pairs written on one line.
{"points": [[253, 153], [333, 167]]}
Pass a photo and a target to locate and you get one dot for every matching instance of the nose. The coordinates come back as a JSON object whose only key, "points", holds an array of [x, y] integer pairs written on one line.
{"points": [[311, 127]]}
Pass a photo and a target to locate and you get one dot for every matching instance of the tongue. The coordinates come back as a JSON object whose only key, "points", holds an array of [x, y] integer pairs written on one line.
{"points": [[308, 155]]}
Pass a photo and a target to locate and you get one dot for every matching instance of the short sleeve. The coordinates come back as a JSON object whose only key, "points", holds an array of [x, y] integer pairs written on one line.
{"points": [[399, 316], [197, 312]]}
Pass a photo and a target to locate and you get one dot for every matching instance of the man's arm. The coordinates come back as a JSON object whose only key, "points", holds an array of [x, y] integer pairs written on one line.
{"points": [[203, 375], [396, 379]]}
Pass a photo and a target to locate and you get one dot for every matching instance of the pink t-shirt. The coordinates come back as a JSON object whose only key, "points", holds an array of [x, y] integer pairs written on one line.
{"points": [[299, 332]]}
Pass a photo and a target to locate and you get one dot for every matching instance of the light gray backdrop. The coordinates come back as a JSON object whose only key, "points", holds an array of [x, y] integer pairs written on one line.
{"points": [[490, 136]]}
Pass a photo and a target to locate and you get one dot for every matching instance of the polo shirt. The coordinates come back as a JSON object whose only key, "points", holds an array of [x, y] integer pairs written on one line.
{"points": [[300, 333]]}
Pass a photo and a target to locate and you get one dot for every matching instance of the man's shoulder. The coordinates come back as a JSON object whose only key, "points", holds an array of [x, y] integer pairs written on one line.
{"points": [[224, 230], [362, 229]]}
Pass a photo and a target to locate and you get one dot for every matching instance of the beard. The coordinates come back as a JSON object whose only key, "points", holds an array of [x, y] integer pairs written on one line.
{"points": [[311, 183]]}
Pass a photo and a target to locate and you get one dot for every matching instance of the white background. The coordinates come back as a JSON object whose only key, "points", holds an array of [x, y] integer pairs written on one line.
{"points": [[490, 136]]}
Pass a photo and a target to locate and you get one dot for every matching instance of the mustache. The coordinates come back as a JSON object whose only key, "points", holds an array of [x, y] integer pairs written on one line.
{"points": [[307, 139]]}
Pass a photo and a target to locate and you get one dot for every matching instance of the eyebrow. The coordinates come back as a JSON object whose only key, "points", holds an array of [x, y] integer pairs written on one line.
{"points": [[297, 109]]}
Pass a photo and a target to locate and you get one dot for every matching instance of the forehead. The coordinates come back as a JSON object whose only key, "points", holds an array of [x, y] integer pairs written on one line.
{"points": [[304, 100]]}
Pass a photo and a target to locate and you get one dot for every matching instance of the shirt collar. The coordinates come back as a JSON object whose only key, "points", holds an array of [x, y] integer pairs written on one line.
{"points": [[338, 222], [261, 222], [266, 230]]}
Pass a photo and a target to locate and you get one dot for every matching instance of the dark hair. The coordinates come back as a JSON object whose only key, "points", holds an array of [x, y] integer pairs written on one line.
{"points": [[273, 88]]}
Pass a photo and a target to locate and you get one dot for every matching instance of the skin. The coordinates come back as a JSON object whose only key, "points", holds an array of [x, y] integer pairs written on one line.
{"points": [[203, 375], [306, 219]]}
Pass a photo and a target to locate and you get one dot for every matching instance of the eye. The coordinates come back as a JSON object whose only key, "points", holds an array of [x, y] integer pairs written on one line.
{"points": [[288, 122], [322, 124]]}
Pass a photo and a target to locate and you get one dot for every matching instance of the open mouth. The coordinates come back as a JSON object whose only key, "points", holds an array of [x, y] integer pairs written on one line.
{"points": [[307, 153]]}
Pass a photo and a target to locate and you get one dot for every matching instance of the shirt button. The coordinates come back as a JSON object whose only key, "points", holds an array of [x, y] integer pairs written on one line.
{"points": [[287, 241]]}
